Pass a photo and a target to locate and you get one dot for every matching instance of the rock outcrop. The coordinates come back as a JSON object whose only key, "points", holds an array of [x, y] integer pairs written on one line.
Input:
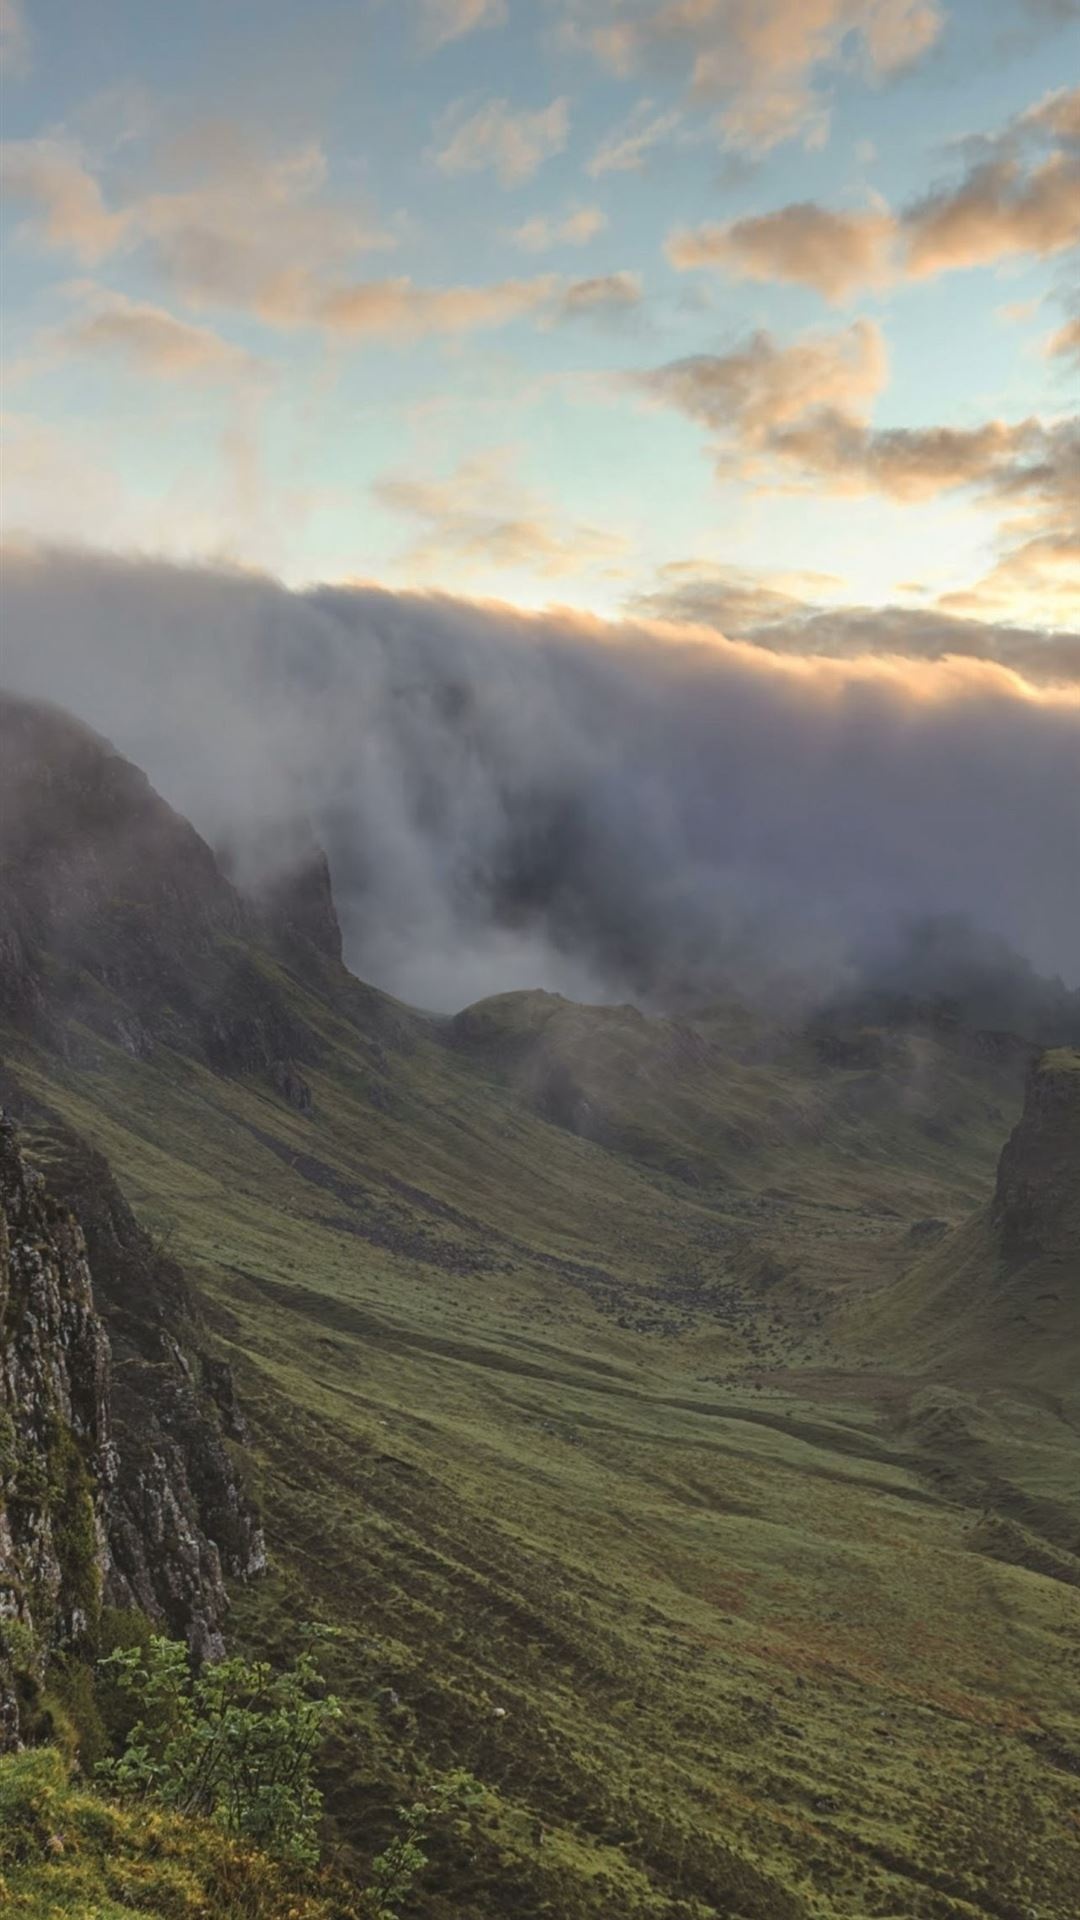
{"points": [[57, 1465], [116, 1481], [1037, 1200]]}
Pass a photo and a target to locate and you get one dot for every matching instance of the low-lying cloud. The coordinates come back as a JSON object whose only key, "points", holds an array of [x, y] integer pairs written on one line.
{"points": [[512, 800]]}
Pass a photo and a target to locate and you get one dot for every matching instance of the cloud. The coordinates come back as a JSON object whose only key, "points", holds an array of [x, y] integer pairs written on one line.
{"points": [[256, 234], [574, 229], [482, 518], [14, 37], [751, 394], [622, 809], [254, 231], [799, 414], [798, 418], [68, 210], [147, 339], [444, 20], [1013, 200], [1042, 573], [1038, 495], [237, 227], [1065, 343], [513, 145], [835, 253], [628, 147], [396, 309], [602, 296], [998, 211], [783, 613], [764, 59]]}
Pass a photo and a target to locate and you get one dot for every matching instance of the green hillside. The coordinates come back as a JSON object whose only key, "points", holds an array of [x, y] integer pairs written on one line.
{"points": [[600, 1392]]}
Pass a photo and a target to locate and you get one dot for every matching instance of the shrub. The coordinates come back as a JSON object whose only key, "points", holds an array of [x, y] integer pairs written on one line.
{"points": [[236, 1742]]}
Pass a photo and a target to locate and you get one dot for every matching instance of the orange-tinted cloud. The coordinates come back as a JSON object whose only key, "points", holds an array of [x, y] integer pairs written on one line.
{"points": [[151, 340], [628, 147], [801, 616], [261, 235], [1014, 199], [1065, 343], [513, 144], [396, 309], [998, 211], [574, 229], [65, 200], [835, 253], [761, 388], [444, 20], [798, 417], [483, 517], [762, 59]]}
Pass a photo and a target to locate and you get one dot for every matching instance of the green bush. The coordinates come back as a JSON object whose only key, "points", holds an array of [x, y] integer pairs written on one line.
{"points": [[236, 1742]]}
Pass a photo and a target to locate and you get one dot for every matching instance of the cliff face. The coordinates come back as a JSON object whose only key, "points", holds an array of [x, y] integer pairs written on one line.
{"points": [[56, 1462], [116, 1483], [1037, 1200]]}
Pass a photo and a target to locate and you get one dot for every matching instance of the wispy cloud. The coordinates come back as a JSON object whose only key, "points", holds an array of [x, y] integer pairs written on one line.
{"points": [[239, 227], [482, 517], [513, 143], [14, 38], [604, 295], [1064, 344], [396, 309], [764, 61], [150, 340], [66, 206], [545, 232], [250, 233], [627, 148], [444, 20]]}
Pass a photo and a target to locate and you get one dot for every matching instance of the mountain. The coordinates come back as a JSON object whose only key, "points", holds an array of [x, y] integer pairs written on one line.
{"points": [[584, 1368]]}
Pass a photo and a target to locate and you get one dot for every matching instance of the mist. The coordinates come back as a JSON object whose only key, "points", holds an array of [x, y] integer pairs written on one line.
{"points": [[609, 811]]}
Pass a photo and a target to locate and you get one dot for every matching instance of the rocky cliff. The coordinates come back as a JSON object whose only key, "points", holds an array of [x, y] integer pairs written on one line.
{"points": [[116, 1481], [1037, 1200], [57, 1465]]}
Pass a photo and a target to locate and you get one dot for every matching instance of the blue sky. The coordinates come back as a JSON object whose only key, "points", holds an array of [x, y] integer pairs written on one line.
{"points": [[489, 296]]}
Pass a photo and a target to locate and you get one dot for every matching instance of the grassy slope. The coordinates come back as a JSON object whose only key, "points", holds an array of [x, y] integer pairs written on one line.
{"points": [[528, 1429], [67, 1854]]}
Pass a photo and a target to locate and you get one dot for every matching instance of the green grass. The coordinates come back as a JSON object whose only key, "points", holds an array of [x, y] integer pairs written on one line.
{"points": [[611, 1505], [68, 1854]]}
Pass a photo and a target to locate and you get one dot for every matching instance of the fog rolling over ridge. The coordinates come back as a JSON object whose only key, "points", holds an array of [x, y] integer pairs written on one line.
{"points": [[511, 800]]}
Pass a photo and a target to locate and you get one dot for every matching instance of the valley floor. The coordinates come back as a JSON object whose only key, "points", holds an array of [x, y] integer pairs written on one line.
{"points": [[732, 1621]]}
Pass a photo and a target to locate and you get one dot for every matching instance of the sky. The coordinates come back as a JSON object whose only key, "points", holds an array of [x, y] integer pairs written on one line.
{"points": [[609, 468], [761, 315]]}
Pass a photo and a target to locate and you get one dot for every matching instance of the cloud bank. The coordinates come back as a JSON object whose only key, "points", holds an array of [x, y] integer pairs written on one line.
{"points": [[512, 800]]}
